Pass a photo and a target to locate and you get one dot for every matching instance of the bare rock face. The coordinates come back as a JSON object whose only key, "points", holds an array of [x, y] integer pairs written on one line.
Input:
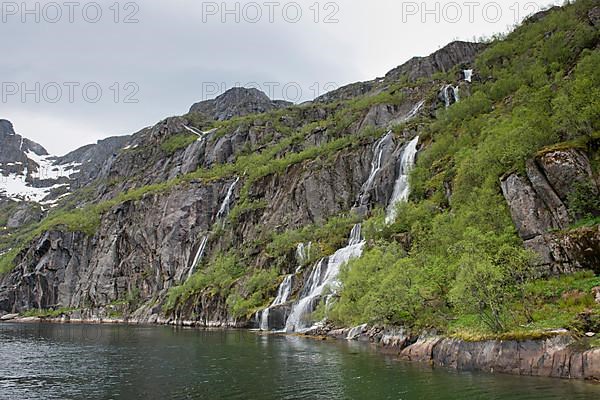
{"points": [[145, 247], [24, 214], [92, 159], [539, 208], [564, 169], [530, 214], [237, 102], [14, 149]]}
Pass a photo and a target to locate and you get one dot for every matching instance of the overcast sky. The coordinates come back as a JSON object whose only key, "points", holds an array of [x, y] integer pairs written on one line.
{"points": [[177, 52]]}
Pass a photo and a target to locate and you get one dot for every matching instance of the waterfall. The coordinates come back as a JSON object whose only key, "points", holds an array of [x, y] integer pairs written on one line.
{"points": [[401, 187], [283, 294], [414, 111], [323, 275], [224, 210], [303, 254], [199, 254], [194, 131], [376, 164], [468, 75], [450, 95]]}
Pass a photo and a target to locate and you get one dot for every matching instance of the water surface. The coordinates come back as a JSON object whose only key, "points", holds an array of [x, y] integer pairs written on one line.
{"points": [[48, 361]]}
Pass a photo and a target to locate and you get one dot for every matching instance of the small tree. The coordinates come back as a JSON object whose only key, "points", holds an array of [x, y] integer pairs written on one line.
{"points": [[584, 201]]}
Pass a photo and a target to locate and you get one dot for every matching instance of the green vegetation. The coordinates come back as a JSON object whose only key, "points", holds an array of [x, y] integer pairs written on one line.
{"points": [[449, 261], [216, 280], [465, 270], [51, 313], [7, 261], [178, 142]]}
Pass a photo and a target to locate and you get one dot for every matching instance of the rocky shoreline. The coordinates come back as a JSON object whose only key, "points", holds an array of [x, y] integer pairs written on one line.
{"points": [[558, 356]]}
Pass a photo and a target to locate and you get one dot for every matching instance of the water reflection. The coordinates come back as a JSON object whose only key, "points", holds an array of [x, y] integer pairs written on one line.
{"points": [[42, 361]]}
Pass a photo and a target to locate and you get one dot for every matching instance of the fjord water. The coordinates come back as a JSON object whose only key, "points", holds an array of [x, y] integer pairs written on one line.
{"points": [[45, 361]]}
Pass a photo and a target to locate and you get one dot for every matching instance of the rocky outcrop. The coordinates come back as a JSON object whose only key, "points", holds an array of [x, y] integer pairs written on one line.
{"points": [[14, 151], [93, 159], [15, 146], [559, 356], [539, 205], [24, 214], [237, 102], [457, 53], [556, 357]]}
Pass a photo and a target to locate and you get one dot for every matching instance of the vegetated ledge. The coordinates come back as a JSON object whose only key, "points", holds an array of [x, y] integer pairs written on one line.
{"points": [[555, 354]]}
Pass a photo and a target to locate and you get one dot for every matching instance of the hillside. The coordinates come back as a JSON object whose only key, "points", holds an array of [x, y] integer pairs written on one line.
{"points": [[459, 194]]}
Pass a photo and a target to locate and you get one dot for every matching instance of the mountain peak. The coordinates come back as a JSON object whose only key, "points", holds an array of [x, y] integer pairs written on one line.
{"points": [[6, 127], [237, 102]]}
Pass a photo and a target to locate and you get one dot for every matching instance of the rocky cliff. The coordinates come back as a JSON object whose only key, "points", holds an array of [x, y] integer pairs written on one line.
{"points": [[202, 218], [237, 102], [541, 205]]}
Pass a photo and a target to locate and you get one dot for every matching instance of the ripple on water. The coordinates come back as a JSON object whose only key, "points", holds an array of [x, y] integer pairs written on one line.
{"points": [[117, 362]]}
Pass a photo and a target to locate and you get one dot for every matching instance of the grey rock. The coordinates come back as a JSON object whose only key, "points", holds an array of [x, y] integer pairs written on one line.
{"points": [[547, 194], [529, 213], [24, 214], [564, 169], [596, 294], [237, 102]]}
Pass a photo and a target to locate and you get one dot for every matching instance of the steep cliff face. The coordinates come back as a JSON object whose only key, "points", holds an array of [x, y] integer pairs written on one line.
{"points": [[144, 248], [198, 218], [539, 205]]}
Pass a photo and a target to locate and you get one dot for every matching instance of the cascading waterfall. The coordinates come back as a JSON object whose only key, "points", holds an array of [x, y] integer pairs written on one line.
{"points": [[324, 275], [376, 165], [283, 294], [303, 254], [285, 289], [224, 210], [194, 131], [468, 73], [415, 110], [450, 94], [401, 187]]}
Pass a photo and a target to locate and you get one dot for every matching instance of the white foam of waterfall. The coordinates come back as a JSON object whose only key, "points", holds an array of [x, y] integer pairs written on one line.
{"points": [[450, 95], [194, 131], [375, 163], [468, 75], [224, 210], [324, 275], [283, 294], [415, 110], [303, 254], [198, 256], [356, 331], [401, 187]]}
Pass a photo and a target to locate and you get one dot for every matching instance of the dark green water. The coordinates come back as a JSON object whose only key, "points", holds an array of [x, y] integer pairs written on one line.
{"points": [[44, 361]]}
